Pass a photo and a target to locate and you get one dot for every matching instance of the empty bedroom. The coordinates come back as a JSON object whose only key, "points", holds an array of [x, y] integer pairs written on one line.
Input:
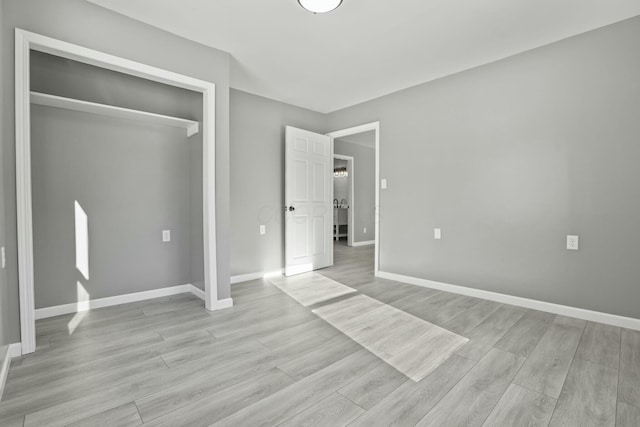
{"points": [[319, 213]]}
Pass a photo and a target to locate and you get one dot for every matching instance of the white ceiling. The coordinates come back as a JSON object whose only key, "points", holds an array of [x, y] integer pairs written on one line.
{"points": [[366, 48]]}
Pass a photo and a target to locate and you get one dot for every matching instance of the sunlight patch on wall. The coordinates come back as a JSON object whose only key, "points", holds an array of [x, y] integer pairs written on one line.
{"points": [[82, 240]]}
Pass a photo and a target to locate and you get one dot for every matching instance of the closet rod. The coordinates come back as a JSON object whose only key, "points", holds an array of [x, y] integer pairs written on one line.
{"points": [[192, 127]]}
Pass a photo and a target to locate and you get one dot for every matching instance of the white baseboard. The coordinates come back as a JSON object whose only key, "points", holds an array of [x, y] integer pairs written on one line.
{"points": [[254, 276], [197, 292], [365, 243], [15, 350], [246, 277], [12, 350], [565, 310], [59, 310], [221, 304]]}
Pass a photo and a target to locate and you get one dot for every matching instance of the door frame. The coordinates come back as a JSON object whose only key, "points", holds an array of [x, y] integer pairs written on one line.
{"points": [[352, 194], [373, 126], [25, 42]]}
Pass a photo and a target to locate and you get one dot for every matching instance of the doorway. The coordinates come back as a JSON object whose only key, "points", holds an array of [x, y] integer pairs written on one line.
{"points": [[343, 199], [362, 143]]}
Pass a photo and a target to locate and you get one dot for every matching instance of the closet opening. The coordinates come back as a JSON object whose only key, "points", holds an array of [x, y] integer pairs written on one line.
{"points": [[115, 183]]}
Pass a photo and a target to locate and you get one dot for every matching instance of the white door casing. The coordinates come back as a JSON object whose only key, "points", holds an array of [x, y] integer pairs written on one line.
{"points": [[25, 42], [308, 208]]}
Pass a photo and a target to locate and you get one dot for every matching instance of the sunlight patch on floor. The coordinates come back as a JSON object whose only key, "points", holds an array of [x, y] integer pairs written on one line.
{"points": [[411, 345]]}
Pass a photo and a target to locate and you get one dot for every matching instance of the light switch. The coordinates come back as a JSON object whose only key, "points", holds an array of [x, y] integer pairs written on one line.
{"points": [[4, 259], [437, 233], [572, 243], [364, 230], [166, 235], [263, 229], [383, 184]]}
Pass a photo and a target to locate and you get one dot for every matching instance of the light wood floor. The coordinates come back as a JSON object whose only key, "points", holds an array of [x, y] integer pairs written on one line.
{"points": [[271, 361], [407, 343]]}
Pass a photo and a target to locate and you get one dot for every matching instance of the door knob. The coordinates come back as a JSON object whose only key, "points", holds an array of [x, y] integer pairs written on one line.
{"points": [[291, 209]]}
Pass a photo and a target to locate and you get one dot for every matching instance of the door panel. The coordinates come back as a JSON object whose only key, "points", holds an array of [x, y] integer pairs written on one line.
{"points": [[319, 187], [301, 224], [308, 192], [300, 182], [319, 226]]}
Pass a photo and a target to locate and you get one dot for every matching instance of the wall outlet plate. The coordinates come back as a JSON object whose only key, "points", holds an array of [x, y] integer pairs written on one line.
{"points": [[383, 184], [437, 233], [166, 235], [572, 243], [263, 229], [4, 258], [364, 230]]}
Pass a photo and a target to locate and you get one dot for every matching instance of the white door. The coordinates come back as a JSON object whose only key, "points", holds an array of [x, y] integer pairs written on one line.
{"points": [[308, 192]]}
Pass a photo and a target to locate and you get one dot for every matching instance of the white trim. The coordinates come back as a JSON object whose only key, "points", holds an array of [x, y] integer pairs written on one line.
{"points": [[198, 292], [23, 193], [375, 126], [13, 351], [190, 126], [25, 42], [246, 277], [565, 310], [59, 310], [222, 304], [365, 243], [241, 278], [351, 165]]}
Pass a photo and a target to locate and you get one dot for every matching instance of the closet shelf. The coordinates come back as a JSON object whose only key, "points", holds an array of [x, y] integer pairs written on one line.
{"points": [[192, 127]]}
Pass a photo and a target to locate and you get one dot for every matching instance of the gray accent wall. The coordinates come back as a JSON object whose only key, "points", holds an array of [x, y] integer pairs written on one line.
{"points": [[80, 22], [364, 159], [510, 158], [7, 293], [257, 178]]}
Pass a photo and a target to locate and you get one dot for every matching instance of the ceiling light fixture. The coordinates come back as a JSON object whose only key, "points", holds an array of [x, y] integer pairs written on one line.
{"points": [[320, 6]]}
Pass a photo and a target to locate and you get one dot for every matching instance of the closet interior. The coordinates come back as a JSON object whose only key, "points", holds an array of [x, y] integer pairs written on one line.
{"points": [[116, 183]]}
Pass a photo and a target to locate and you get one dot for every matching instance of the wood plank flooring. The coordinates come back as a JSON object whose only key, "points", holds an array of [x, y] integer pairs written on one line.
{"points": [[409, 344], [271, 361]]}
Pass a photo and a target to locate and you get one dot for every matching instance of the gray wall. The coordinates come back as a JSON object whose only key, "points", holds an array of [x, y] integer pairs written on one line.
{"points": [[257, 178], [86, 24], [508, 159], [364, 186], [7, 294], [132, 180]]}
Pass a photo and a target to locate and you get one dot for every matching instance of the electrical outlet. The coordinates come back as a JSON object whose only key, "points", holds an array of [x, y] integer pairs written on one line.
{"points": [[364, 230], [263, 229], [572, 243], [166, 236], [437, 233], [383, 184]]}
